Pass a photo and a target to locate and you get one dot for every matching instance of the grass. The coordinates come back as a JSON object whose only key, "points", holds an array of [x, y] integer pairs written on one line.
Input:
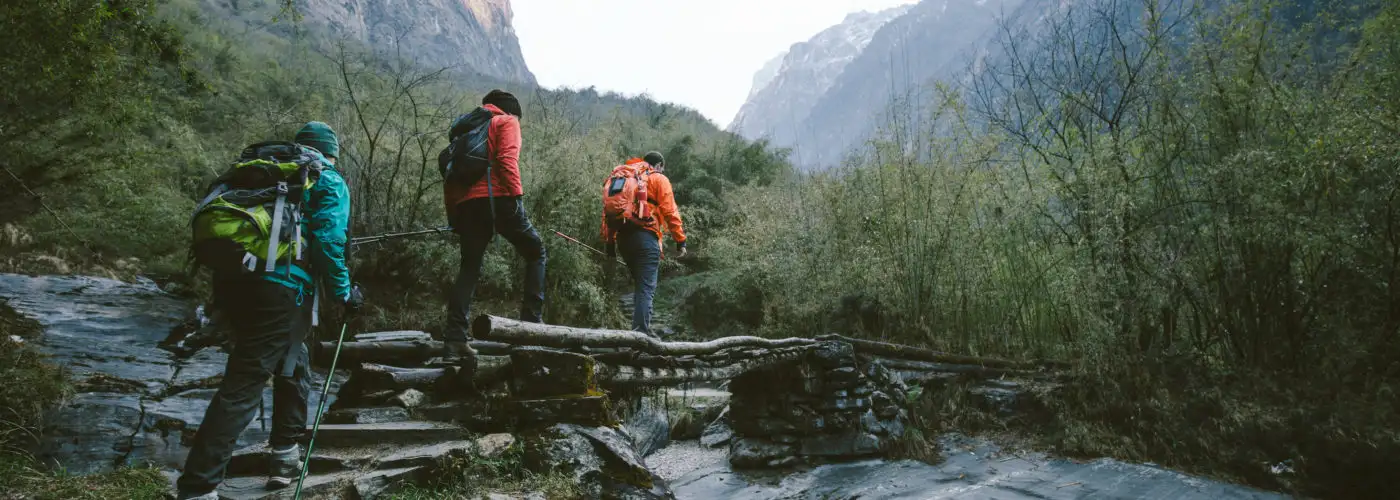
{"points": [[477, 476], [1196, 418], [21, 478], [32, 386]]}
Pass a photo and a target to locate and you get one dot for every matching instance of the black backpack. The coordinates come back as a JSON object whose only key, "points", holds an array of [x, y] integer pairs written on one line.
{"points": [[467, 157]]}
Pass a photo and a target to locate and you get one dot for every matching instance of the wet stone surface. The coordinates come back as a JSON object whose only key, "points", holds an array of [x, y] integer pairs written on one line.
{"points": [[137, 403], [974, 469]]}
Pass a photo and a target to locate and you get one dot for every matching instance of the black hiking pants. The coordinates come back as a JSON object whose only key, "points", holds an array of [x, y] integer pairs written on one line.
{"points": [[641, 250], [267, 319], [475, 230]]}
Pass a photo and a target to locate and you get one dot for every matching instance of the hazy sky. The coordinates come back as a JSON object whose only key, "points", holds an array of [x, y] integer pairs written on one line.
{"points": [[698, 53]]}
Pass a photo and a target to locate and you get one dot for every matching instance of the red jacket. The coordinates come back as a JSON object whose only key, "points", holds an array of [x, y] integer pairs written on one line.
{"points": [[503, 141]]}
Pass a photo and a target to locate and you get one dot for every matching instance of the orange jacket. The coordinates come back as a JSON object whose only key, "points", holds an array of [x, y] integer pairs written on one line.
{"points": [[666, 216]]}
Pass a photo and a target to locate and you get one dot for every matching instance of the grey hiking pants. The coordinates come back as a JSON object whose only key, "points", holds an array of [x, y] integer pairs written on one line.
{"points": [[266, 318], [641, 250]]}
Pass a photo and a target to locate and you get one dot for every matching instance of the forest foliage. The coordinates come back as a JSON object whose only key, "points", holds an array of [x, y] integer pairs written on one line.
{"points": [[1197, 202]]}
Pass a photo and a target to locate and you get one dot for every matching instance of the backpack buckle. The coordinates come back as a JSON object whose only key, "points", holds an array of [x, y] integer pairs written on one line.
{"points": [[282, 187]]}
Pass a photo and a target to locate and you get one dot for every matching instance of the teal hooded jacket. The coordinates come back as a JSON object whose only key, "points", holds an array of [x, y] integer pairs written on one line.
{"points": [[327, 219]]}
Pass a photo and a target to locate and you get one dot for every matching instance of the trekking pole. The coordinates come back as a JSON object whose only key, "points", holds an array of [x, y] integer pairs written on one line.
{"points": [[320, 408], [584, 245], [387, 236]]}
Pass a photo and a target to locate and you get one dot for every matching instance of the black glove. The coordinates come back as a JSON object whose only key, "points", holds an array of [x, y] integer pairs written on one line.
{"points": [[355, 301]]}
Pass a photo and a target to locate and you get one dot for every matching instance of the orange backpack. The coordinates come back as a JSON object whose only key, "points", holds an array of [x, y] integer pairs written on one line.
{"points": [[625, 195]]}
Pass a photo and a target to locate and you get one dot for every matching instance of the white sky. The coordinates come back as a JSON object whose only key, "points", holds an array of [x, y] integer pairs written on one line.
{"points": [[698, 53]]}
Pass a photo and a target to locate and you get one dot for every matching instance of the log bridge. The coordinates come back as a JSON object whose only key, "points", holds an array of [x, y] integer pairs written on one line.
{"points": [[791, 401]]}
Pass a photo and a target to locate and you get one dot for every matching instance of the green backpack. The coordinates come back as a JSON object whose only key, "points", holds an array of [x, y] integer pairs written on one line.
{"points": [[251, 215]]}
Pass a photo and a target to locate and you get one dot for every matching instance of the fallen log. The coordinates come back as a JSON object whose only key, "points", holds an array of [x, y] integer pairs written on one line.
{"points": [[897, 351], [398, 353], [371, 377], [498, 329], [932, 367], [638, 376]]}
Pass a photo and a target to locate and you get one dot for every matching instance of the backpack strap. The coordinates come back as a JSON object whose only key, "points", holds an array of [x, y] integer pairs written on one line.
{"points": [[276, 227], [213, 195]]}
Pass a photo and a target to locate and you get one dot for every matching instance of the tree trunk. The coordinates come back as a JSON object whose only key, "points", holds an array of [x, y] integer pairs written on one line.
{"points": [[510, 331]]}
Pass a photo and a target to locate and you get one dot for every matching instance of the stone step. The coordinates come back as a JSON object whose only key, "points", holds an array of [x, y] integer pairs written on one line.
{"points": [[346, 484], [334, 485], [351, 435], [254, 461], [378, 415]]}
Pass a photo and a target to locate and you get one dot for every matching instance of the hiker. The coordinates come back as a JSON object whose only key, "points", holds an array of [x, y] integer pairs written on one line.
{"points": [[270, 315], [484, 208], [635, 226]]}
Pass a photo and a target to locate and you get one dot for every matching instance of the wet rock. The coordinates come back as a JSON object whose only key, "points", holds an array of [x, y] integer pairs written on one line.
{"points": [[747, 452], [377, 415], [718, 433], [493, 445], [855, 443], [427, 455], [203, 370], [974, 469], [380, 482], [601, 459], [588, 410], [92, 433], [648, 426], [410, 398]]}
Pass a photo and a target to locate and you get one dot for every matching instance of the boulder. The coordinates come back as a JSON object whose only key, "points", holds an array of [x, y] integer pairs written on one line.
{"points": [[648, 426], [493, 445], [718, 433], [749, 453], [601, 459]]}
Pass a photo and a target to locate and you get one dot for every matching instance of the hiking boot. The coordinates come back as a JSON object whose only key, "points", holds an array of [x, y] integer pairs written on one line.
{"points": [[460, 351], [285, 467]]}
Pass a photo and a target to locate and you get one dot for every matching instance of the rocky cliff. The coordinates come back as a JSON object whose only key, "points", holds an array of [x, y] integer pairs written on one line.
{"points": [[826, 105], [469, 36], [783, 96]]}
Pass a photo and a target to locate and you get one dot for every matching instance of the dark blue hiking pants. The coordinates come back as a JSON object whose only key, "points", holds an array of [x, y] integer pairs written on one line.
{"points": [[641, 250]]}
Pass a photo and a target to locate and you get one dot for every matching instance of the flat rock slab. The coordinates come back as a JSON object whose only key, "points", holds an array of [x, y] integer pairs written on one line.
{"points": [[256, 460], [975, 469], [426, 455], [99, 326], [349, 435], [317, 486], [377, 483]]}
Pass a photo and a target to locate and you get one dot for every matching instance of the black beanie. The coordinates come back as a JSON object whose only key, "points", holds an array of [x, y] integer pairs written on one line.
{"points": [[654, 158], [504, 100]]}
